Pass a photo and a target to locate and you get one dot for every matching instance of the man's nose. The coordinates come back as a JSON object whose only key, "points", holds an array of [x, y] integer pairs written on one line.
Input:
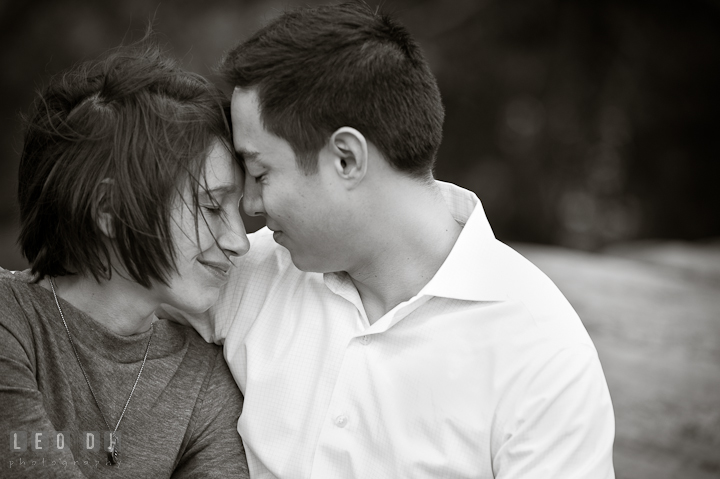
{"points": [[252, 199]]}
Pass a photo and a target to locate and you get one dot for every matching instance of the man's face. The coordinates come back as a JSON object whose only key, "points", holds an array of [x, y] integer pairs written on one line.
{"points": [[301, 209]]}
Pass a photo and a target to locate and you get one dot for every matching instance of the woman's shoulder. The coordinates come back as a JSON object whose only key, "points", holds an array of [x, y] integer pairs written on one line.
{"points": [[201, 354], [10, 278], [204, 360], [16, 289], [18, 303], [18, 286]]}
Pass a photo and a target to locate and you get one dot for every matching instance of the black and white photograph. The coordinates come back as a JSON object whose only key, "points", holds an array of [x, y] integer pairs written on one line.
{"points": [[382, 239]]}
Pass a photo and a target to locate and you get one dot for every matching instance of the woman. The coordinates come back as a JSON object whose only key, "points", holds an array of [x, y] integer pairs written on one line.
{"points": [[129, 198]]}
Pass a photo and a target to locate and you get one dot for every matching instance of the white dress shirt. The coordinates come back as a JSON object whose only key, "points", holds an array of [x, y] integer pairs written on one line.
{"points": [[486, 373]]}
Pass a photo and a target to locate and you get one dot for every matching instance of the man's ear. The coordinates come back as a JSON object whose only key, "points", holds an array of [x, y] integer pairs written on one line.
{"points": [[349, 150], [103, 214]]}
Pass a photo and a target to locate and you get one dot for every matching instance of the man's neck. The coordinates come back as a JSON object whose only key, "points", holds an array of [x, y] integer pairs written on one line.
{"points": [[411, 241], [122, 306]]}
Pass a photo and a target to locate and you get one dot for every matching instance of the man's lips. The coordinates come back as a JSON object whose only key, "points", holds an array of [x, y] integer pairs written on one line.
{"points": [[276, 232], [277, 236]]}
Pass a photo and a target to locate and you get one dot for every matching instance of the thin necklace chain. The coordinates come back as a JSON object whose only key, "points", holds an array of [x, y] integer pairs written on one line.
{"points": [[77, 356]]}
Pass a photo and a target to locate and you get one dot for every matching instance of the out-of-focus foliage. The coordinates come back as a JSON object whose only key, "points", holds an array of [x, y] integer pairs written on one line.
{"points": [[583, 122], [578, 123]]}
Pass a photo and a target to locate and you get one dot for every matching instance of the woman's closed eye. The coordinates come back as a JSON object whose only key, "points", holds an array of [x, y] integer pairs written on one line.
{"points": [[212, 208]]}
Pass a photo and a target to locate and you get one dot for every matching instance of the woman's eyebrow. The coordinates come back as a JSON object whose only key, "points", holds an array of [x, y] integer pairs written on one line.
{"points": [[221, 189]]}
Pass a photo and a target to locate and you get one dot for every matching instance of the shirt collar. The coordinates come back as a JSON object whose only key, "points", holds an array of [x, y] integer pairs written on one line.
{"points": [[470, 270]]}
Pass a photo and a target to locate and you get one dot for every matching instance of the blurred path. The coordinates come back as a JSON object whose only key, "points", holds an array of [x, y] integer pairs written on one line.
{"points": [[655, 320]]}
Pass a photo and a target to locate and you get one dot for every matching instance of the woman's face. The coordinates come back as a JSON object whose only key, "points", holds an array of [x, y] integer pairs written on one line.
{"points": [[205, 249]]}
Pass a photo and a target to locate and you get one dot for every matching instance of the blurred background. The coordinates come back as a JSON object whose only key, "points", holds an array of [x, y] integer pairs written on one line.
{"points": [[587, 128]]}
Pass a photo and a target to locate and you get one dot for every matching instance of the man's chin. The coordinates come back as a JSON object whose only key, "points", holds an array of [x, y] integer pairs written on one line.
{"points": [[310, 264]]}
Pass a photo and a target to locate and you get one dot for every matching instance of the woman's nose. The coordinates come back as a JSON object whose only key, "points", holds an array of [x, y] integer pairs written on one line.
{"points": [[234, 240]]}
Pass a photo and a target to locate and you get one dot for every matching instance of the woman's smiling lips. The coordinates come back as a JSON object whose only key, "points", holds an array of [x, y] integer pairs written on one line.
{"points": [[218, 269]]}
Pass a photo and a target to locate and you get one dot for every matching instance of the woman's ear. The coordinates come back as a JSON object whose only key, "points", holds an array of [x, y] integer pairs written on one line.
{"points": [[349, 150], [103, 213]]}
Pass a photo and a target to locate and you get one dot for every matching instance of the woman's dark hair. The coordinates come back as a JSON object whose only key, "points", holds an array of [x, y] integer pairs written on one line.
{"points": [[123, 133], [316, 69]]}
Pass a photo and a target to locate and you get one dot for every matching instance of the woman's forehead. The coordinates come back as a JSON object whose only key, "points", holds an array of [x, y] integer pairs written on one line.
{"points": [[221, 170]]}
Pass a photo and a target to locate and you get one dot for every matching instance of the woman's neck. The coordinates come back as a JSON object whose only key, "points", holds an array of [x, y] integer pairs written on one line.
{"points": [[122, 306]]}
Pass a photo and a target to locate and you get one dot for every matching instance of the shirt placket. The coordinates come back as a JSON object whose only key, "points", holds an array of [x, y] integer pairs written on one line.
{"points": [[338, 439], [342, 429]]}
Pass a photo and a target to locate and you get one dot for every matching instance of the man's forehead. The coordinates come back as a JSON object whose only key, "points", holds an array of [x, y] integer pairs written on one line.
{"points": [[246, 124], [244, 101]]}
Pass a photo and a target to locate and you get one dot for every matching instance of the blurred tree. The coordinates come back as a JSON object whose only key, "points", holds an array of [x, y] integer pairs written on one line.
{"points": [[583, 123], [578, 123]]}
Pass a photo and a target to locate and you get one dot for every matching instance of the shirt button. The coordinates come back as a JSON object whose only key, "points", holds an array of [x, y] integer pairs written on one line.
{"points": [[341, 420], [366, 339]]}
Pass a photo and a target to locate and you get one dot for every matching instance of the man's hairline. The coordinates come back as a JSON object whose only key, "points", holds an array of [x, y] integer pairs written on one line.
{"points": [[428, 177]]}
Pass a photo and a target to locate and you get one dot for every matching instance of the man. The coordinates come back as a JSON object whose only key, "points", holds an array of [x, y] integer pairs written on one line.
{"points": [[377, 328]]}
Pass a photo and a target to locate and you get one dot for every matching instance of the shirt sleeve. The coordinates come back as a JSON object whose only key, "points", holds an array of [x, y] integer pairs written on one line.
{"points": [[561, 425], [215, 449], [23, 412]]}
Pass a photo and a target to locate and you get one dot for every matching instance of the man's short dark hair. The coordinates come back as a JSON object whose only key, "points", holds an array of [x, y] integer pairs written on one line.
{"points": [[318, 69], [133, 125]]}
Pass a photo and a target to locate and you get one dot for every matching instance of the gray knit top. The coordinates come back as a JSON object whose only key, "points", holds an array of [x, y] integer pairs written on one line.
{"points": [[181, 420]]}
